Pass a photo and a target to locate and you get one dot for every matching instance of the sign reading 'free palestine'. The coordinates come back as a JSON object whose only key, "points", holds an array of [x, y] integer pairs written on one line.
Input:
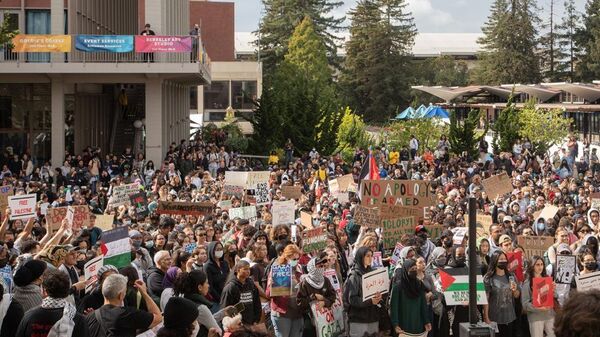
{"points": [[397, 192]]}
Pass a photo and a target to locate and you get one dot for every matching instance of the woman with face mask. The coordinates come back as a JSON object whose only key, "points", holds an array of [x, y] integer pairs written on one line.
{"points": [[217, 269], [409, 306], [457, 263], [540, 319], [588, 262], [502, 290]]}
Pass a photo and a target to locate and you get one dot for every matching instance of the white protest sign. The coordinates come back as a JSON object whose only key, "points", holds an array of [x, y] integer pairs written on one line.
{"points": [[235, 178], [120, 194], [283, 212], [548, 212], [459, 235], [91, 272], [587, 282], [565, 269], [257, 177], [247, 212], [44, 208], [224, 205], [22, 206], [377, 281], [261, 193], [70, 215], [329, 321]]}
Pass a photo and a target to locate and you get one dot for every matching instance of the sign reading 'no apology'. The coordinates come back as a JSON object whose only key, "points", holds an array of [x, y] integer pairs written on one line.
{"points": [[397, 192]]}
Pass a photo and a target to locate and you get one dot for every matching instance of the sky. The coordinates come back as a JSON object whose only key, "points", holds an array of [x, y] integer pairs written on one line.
{"points": [[431, 16]]}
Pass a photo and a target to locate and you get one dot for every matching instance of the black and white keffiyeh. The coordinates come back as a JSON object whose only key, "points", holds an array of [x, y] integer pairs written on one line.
{"points": [[64, 326]]}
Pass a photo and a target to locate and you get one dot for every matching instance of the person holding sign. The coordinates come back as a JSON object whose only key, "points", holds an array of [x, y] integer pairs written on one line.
{"points": [[588, 261], [409, 307], [363, 316], [541, 319], [502, 290]]}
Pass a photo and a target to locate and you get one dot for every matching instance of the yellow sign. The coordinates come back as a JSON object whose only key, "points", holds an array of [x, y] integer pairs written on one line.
{"points": [[42, 43]]}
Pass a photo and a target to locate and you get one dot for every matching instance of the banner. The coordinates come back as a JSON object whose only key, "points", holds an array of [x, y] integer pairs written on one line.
{"points": [[24, 43], [367, 216], [329, 322], [22, 206], [565, 269], [395, 228], [314, 240], [377, 281], [283, 212], [543, 292], [535, 245], [104, 43], [455, 285], [291, 192], [120, 194], [90, 271], [281, 280], [497, 185], [140, 202], [515, 264], [185, 208], [587, 282], [5, 192], [397, 192], [163, 44], [247, 212], [104, 221]]}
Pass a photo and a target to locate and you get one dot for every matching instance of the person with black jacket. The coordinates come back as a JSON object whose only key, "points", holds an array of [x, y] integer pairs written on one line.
{"points": [[241, 289], [217, 269], [363, 316], [11, 313], [156, 274]]}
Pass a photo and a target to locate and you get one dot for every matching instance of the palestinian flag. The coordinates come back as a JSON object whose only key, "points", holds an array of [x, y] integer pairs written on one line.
{"points": [[115, 247], [455, 286]]}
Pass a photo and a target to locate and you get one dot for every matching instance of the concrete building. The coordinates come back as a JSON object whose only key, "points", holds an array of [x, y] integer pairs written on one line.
{"points": [[56, 102]]}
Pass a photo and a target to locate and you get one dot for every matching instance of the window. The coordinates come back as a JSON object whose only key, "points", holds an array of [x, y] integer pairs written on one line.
{"points": [[216, 95], [194, 98], [243, 94]]}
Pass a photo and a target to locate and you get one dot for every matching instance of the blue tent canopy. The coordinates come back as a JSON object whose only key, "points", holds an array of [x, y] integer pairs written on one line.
{"points": [[436, 111], [406, 114], [420, 112]]}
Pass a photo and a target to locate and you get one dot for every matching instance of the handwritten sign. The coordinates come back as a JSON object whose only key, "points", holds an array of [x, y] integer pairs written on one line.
{"points": [[185, 208], [306, 220], [283, 212], [435, 231], [254, 178], [329, 322], [337, 192], [291, 192], [5, 192], [497, 185], [140, 202], [397, 192], [535, 245], [459, 235], [104, 221], [377, 281], [391, 212], [233, 191], [236, 178], [587, 282], [395, 228], [55, 217], [22, 206], [314, 240], [224, 205], [543, 292], [247, 212], [367, 216], [281, 280], [90, 271], [120, 194], [565, 269]]}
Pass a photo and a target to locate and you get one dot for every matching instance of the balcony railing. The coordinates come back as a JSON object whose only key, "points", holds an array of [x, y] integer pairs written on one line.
{"points": [[11, 52]]}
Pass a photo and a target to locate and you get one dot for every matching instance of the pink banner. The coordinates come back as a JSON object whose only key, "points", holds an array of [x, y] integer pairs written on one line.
{"points": [[165, 44]]}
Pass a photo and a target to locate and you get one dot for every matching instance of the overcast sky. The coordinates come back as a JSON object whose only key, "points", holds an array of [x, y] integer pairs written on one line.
{"points": [[431, 16]]}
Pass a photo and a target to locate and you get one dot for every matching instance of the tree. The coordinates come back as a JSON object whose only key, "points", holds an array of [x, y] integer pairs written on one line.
{"points": [[462, 135], [588, 39], [551, 52], [351, 134], [427, 131], [281, 18], [510, 44], [542, 127], [377, 66], [567, 34], [6, 34], [506, 127]]}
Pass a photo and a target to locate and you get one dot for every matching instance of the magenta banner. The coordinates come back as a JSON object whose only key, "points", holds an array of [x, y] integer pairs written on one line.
{"points": [[165, 44]]}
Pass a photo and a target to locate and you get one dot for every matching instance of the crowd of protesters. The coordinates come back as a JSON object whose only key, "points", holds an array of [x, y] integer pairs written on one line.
{"points": [[167, 290]]}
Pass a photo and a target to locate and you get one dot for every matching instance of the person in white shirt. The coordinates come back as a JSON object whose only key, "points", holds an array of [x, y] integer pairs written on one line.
{"points": [[413, 145]]}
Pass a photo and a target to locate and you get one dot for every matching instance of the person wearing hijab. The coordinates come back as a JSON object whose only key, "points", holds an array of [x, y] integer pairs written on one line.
{"points": [[216, 268], [363, 316], [409, 306], [11, 313], [315, 288], [458, 261], [407, 252], [440, 324]]}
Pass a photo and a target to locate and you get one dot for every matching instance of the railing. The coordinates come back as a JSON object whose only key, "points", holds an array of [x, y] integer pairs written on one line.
{"points": [[10, 53]]}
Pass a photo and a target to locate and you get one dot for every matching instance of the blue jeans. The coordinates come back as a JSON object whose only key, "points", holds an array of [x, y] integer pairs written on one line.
{"points": [[287, 327]]}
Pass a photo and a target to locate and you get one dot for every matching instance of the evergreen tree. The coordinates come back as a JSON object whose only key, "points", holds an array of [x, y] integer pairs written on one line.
{"points": [[462, 135], [566, 35], [6, 34], [281, 18], [377, 64], [551, 52], [588, 39], [506, 128], [510, 44]]}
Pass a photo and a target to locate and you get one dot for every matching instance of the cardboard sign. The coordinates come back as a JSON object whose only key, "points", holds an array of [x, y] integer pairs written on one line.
{"points": [[548, 212], [254, 178], [377, 281], [236, 178], [247, 212], [90, 271], [225, 205], [587, 282], [344, 182], [104, 221], [497, 185], [455, 286], [233, 191], [543, 292], [283, 212], [120, 194], [535, 245], [367, 216], [81, 217], [306, 220], [5, 192], [314, 240], [565, 269], [391, 212], [281, 280], [395, 228], [291, 192], [485, 221], [55, 217], [329, 322], [22, 206], [515, 264], [185, 208], [435, 231], [140, 202], [397, 192]]}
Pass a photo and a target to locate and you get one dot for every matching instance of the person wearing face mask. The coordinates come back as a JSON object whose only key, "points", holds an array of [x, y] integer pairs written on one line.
{"points": [[241, 289], [408, 303], [440, 324], [426, 245], [588, 262], [457, 263], [217, 269], [502, 290], [143, 260]]}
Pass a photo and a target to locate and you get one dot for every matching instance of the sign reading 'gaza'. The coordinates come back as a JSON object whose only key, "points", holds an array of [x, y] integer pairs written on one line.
{"points": [[397, 192]]}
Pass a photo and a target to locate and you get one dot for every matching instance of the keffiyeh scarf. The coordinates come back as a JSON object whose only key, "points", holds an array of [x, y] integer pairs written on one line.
{"points": [[64, 326]]}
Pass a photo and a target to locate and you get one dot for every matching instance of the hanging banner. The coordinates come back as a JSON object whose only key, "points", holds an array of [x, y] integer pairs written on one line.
{"points": [[329, 322], [163, 44], [104, 43], [24, 43], [397, 192], [22, 206]]}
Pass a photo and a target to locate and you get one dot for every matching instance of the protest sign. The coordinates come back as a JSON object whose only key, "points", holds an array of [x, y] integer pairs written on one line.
{"points": [[120, 194], [306, 220], [497, 185], [515, 264], [90, 271], [104, 221], [81, 217], [70, 216], [247, 212], [459, 235], [391, 212], [291, 192], [163, 44], [377, 261], [535, 245], [283, 212], [397, 192], [435, 231], [281, 280], [344, 182], [261, 194], [22, 206], [587, 282], [396, 254], [565, 269], [5, 192], [44, 208], [256, 177], [314, 240], [233, 191], [394, 229], [485, 221], [455, 286], [367, 216], [224, 205], [377, 281], [548, 212], [337, 192], [55, 217], [185, 208], [140, 202], [329, 322], [543, 292], [236, 178]]}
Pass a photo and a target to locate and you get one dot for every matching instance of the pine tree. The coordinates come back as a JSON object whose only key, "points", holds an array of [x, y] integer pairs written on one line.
{"points": [[552, 53], [281, 18], [588, 39], [506, 128], [510, 44], [462, 135], [566, 35], [377, 65]]}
